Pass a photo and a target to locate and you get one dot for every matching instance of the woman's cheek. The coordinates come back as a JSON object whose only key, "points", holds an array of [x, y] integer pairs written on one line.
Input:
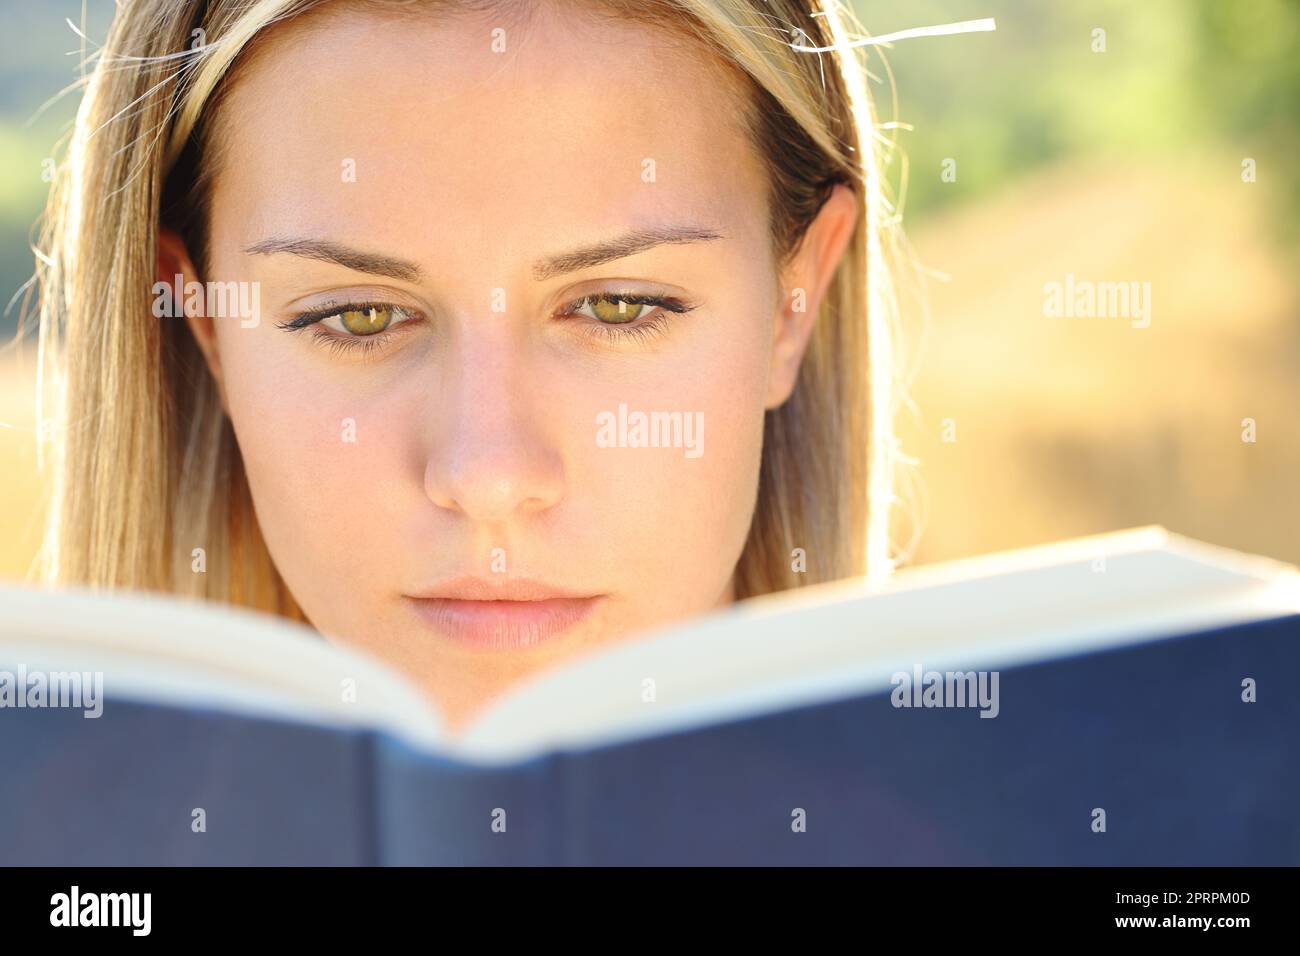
{"points": [[318, 467], [676, 516]]}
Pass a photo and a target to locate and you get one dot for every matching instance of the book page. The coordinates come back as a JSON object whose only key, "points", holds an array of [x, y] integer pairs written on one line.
{"points": [[190, 653]]}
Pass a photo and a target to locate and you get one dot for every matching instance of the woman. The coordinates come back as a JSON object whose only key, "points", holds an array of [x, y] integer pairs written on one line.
{"points": [[475, 334]]}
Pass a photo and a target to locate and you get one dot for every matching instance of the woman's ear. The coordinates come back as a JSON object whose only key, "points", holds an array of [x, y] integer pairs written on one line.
{"points": [[176, 270], [803, 285]]}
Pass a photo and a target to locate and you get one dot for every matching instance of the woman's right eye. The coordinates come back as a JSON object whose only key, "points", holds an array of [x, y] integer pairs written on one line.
{"points": [[613, 311], [354, 320], [368, 326], [366, 320]]}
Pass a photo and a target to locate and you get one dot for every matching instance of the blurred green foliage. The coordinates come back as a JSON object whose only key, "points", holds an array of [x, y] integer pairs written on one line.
{"points": [[1213, 77]]}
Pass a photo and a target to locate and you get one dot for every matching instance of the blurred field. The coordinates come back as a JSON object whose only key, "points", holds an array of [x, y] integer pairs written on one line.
{"points": [[1068, 426]]}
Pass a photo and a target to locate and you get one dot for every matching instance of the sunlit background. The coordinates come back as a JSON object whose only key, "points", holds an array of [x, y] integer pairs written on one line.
{"points": [[1150, 142]]}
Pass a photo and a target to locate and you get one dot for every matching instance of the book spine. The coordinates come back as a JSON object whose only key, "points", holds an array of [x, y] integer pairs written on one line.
{"points": [[434, 811]]}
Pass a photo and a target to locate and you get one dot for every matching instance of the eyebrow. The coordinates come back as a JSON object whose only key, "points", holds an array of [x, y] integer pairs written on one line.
{"points": [[345, 256], [628, 244], [638, 240]]}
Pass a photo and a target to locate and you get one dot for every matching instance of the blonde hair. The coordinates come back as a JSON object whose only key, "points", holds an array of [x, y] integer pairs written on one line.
{"points": [[146, 466]]}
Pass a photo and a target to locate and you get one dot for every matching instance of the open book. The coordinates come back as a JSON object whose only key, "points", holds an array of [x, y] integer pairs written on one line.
{"points": [[1122, 698]]}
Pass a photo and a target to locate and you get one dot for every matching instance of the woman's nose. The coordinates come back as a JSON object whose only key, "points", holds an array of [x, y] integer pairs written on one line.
{"points": [[492, 456]]}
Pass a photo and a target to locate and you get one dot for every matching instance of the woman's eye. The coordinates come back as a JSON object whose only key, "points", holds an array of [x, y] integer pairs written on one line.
{"points": [[626, 316], [362, 321], [616, 311], [368, 324]]}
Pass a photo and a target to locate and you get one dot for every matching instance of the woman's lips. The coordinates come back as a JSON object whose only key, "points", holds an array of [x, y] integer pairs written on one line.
{"points": [[510, 614]]}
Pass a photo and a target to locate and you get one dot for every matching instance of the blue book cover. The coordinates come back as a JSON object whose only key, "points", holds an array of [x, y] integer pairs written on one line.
{"points": [[1116, 701]]}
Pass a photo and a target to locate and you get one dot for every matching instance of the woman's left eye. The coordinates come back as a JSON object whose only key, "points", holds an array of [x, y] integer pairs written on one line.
{"points": [[623, 309]]}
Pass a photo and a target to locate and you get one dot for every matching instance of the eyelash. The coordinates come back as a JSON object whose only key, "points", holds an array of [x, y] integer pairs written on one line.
{"points": [[337, 343], [643, 330]]}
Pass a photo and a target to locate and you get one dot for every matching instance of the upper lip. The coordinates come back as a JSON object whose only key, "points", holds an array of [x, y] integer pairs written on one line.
{"points": [[503, 588]]}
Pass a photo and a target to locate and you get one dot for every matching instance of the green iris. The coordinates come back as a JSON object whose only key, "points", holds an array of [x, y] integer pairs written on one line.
{"points": [[366, 321], [617, 311]]}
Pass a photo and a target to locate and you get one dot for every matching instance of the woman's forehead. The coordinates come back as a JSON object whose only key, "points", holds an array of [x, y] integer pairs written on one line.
{"points": [[414, 121]]}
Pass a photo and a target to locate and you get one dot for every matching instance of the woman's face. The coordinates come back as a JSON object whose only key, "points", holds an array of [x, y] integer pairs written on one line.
{"points": [[463, 464]]}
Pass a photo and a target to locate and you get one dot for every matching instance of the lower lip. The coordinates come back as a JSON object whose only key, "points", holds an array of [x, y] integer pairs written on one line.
{"points": [[503, 624]]}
